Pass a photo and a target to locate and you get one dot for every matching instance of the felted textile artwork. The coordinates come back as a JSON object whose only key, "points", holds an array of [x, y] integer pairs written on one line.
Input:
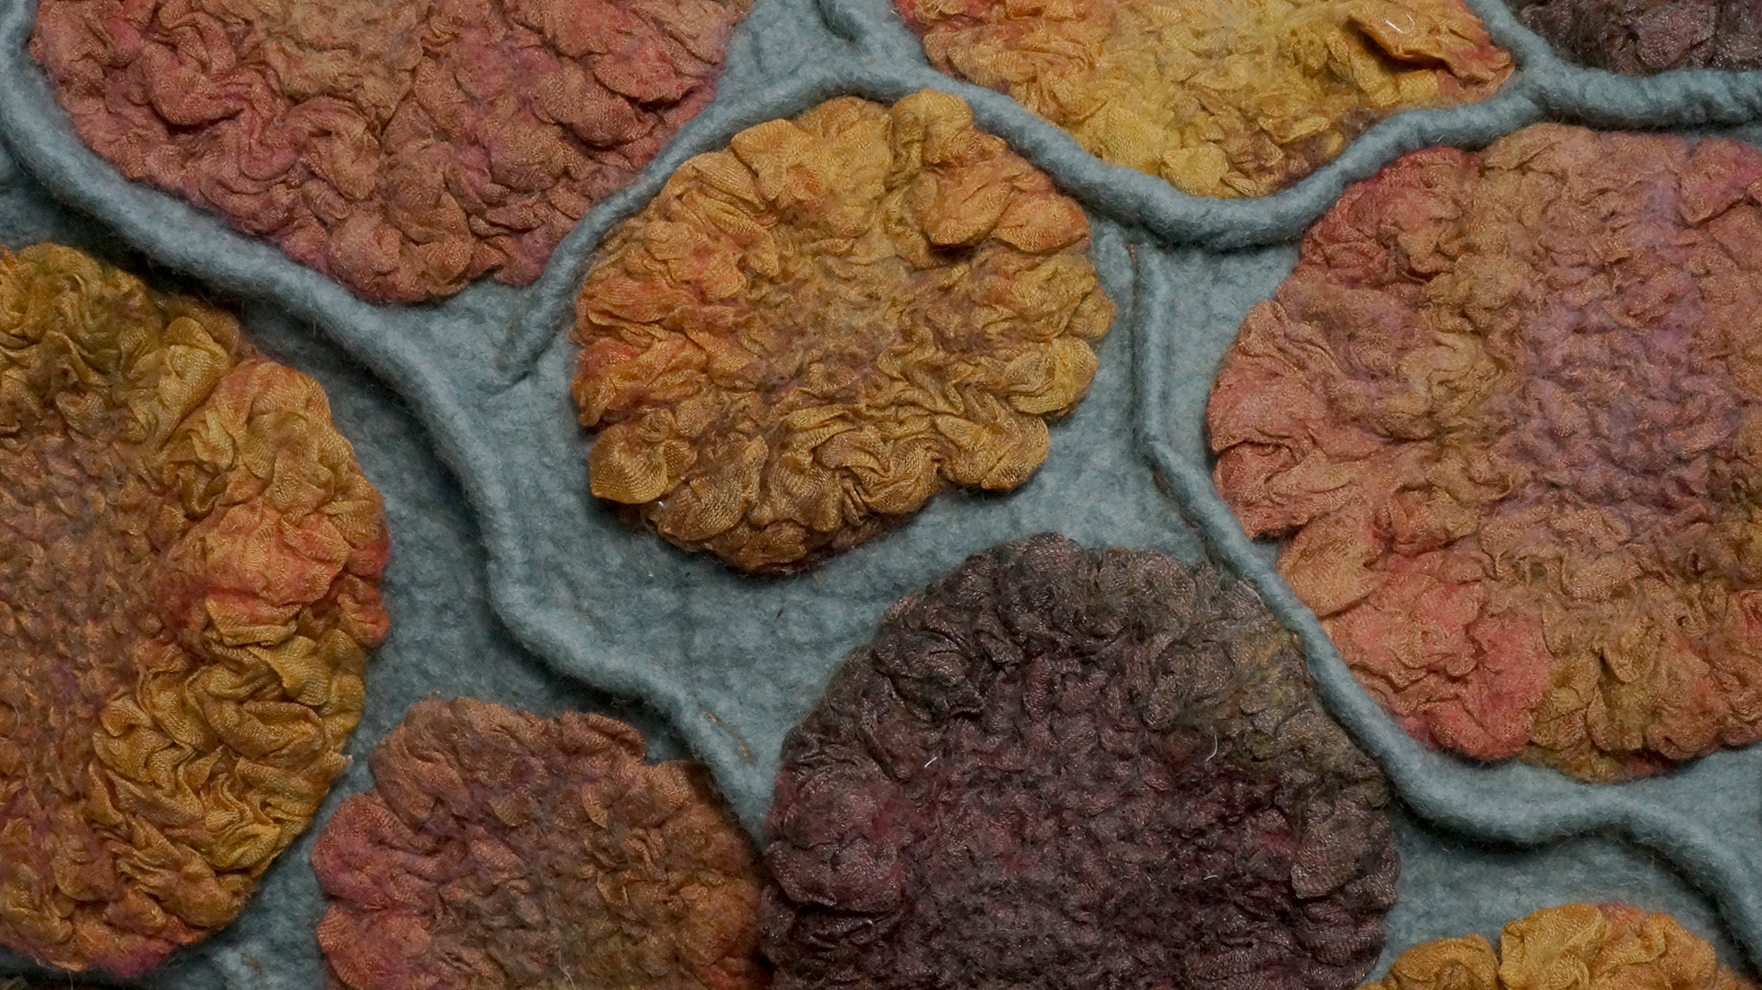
{"points": [[1062, 768], [1507, 416], [1572, 947], [806, 336], [1643, 37], [1218, 97], [189, 583], [404, 148], [498, 849]]}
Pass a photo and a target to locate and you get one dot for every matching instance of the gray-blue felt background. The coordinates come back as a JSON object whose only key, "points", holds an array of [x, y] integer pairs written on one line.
{"points": [[509, 583]]}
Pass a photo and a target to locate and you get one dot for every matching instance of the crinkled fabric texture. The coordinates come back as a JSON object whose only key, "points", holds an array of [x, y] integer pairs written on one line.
{"points": [[403, 147], [498, 849], [1573, 947], [806, 336], [1218, 97], [1061, 768], [189, 582], [1507, 416], [1642, 37]]}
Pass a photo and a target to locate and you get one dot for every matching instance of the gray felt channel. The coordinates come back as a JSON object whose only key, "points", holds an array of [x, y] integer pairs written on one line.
{"points": [[732, 662]]}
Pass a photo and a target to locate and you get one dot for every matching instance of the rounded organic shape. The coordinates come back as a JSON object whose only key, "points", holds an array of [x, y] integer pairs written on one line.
{"points": [[1063, 769], [499, 850], [1507, 413], [189, 582], [402, 147], [1572, 947], [1641, 37], [806, 336], [1218, 97]]}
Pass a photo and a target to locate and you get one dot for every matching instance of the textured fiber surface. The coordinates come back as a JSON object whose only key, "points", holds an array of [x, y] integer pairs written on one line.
{"points": [[499, 849], [1057, 768], [481, 381], [806, 336], [1506, 411], [1642, 37], [1574, 945], [404, 148], [1218, 97], [190, 584]]}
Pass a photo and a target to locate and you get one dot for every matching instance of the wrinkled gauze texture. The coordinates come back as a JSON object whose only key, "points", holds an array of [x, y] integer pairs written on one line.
{"points": [[402, 147], [1066, 769], [1641, 37], [1218, 97], [499, 850], [189, 583], [1573, 947], [1507, 416], [806, 336]]}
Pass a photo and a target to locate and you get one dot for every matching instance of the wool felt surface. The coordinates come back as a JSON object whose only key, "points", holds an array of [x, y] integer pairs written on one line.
{"points": [[509, 583]]}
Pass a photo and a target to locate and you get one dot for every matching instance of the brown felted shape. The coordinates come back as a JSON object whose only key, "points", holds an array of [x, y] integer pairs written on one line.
{"points": [[806, 336], [189, 583], [1218, 97], [1642, 37], [500, 850], [1065, 769], [1507, 416], [1572, 947], [402, 147]]}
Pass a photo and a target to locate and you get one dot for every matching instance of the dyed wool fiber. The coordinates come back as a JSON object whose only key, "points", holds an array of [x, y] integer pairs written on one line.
{"points": [[1641, 37], [1577, 946], [1061, 768], [189, 583], [1507, 417], [1218, 97], [402, 147], [498, 850], [806, 336]]}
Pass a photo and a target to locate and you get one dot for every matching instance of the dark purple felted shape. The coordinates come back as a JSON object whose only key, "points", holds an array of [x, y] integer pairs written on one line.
{"points": [[1061, 768]]}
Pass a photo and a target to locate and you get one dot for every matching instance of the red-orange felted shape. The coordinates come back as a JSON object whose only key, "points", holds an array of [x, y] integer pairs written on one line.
{"points": [[500, 850], [189, 583], [1218, 97], [403, 147], [805, 337], [1507, 415], [1572, 947]]}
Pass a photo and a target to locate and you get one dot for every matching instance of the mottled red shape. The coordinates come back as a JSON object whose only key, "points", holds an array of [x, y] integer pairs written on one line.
{"points": [[403, 147], [1065, 769], [189, 582], [1641, 37], [1507, 416], [500, 850]]}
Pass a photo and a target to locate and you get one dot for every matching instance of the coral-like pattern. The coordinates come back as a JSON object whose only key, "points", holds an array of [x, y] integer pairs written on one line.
{"points": [[500, 850], [1218, 97], [1641, 37], [1573, 947], [809, 334], [1065, 769], [189, 582], [403, 147], [1507, 413]]}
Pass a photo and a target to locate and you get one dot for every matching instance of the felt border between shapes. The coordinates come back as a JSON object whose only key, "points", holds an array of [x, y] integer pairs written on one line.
{"points": [[1507, 803]]}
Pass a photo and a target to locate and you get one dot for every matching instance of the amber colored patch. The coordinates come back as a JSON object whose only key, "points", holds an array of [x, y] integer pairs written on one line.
{"points": [[499, 850], [806, 336], [402, 147], [1642, 37], [1507, 415], [1218, 97], [1572, 947], [189, 580], [1056, 769]]}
